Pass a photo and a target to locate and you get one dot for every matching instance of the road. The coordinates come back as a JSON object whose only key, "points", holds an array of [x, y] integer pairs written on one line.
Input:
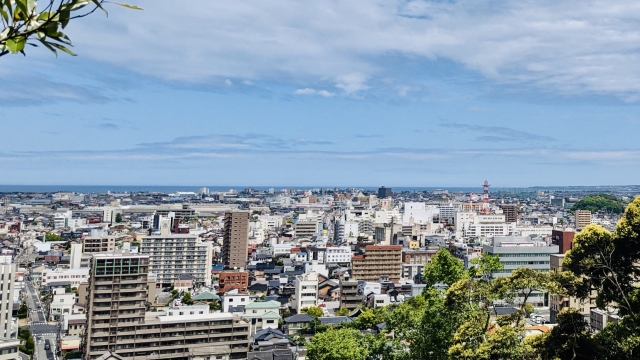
{"points": [[42, 332]]}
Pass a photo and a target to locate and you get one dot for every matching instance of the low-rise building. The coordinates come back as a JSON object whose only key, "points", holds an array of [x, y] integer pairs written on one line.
{"points": [[229, 280], [262, 315], [73, 276]]}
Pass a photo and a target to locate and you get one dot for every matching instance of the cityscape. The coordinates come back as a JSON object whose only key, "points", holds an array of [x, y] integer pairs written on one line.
{"points": [[320, 180], [257, 274]]}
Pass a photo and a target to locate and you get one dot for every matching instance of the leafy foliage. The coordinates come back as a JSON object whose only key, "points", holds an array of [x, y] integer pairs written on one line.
{"points": [[52, 237], [23, 20], [600, 202], [342, 312], [443, 269], [186, 298], [314, 311], [339, 344]]}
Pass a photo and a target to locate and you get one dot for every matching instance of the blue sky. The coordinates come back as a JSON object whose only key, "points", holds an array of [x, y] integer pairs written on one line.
{"points": [[331, 93]]}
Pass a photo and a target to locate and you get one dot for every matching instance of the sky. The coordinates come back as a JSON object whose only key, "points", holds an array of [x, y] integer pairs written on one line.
{"points": [[331, 93]]}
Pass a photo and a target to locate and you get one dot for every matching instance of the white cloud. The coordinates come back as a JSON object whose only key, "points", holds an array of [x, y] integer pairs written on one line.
{"points": [[352, 83], [559, 46], [309, 91]]}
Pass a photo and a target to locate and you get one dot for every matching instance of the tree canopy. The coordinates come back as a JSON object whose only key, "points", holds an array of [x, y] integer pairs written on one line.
{"points": [[600, 202], [29, 22]]}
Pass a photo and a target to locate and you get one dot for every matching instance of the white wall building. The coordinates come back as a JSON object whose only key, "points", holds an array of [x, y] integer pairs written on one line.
{"points": [[338, 254], [7, 272], [234, 298], [172, 255], [74, 276], [418, 213], [306, 291]]}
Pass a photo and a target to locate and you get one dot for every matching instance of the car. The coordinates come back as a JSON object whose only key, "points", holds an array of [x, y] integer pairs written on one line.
{"points": [[47, 346]]}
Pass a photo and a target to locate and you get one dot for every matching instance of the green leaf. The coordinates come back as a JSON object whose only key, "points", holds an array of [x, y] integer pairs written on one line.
{"points": [[77, 4], [16, 44], [134, 7], [60, 47], [5, 16], [65, 15], [98, 4], [46, 44], [22, 8]]}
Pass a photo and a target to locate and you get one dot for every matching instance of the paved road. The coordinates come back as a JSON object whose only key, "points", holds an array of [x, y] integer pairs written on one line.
{"points": [[42, 332]]}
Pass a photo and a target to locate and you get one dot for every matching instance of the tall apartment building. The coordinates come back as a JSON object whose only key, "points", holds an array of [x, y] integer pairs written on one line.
{"points": [[510, 212], [7, 271], [116, 297], [306, 291], [172, 255], [583, 218], [378, 260], [558, 303], [118, 323], [235, 245]]}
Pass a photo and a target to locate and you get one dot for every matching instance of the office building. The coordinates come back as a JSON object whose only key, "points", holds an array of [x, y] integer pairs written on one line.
{"points": [[377, 261], [384, 192], [583, 218], [520, 251], [235, 244], [307, 228], [7, 271], [306, 291], [510, 212], [564, 239]]}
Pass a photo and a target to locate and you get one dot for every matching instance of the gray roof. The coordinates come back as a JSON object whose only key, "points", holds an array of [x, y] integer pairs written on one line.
{"points": [[299, 318], [335, 320]]}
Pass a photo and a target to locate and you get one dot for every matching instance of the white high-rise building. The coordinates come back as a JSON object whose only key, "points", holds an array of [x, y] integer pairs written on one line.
{"points": [[76, 256], [7, 273]]}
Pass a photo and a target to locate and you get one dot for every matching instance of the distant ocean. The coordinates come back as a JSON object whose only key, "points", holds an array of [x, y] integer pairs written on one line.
{"points": [[171, 189]]}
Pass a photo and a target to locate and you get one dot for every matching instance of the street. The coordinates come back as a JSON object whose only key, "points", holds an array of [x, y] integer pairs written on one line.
{"points": [[42, 332]]}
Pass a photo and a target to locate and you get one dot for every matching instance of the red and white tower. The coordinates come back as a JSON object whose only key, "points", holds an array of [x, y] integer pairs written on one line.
{"points": [[485, 198]]}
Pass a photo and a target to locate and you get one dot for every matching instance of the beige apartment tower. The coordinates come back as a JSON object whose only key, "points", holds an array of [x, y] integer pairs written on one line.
{"points": [[378, 261], [235, 244], [583, 218], [116, 299]]}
